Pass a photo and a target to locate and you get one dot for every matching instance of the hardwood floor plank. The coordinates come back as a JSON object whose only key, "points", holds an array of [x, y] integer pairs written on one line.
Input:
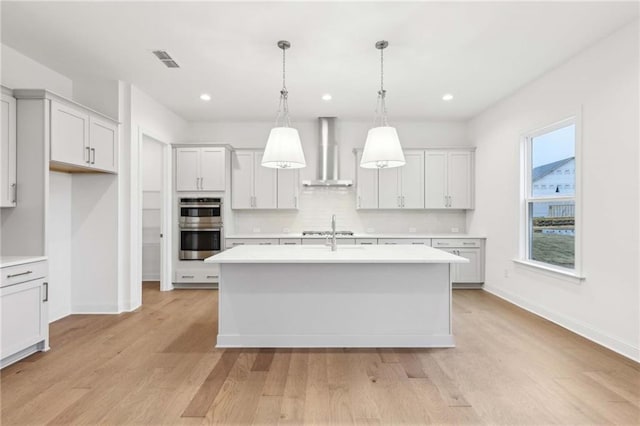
{"points": [[263, 360], [212, 385]]}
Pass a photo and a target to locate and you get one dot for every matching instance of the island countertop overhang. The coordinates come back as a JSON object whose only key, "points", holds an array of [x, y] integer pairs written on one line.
{"points": [[344, 254]]}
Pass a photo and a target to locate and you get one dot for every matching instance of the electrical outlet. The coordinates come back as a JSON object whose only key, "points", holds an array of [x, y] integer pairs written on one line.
{"points": [[506, 273], [256, 230], [370, 230], [412, 230], [455, 230], [286, 230]]}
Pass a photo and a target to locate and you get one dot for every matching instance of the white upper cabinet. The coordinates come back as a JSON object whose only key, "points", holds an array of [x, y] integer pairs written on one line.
{"points": [[80, 138], [449, 179], [70, 135], [242, 178], [265, 194], [200, 169], [256, 187], [288, 187], [403, 187], [103, 144], [366, 186], [8, 178], [212, 169]]}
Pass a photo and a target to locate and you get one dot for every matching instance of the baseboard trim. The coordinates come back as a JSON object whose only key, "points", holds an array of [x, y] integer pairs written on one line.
{"points": [[335, 341], [95, 309], [584, 330]]}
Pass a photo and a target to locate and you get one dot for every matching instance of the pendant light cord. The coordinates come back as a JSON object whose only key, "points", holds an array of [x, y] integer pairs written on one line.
{"points": [[381, 106], [283, 106]]}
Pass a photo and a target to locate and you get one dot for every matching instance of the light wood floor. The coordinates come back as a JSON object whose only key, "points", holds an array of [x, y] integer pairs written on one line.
{"points": [[158, 366]]}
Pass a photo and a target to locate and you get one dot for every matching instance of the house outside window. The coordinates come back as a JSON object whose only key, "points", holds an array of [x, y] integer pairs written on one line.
{"points": [[549, 201]]}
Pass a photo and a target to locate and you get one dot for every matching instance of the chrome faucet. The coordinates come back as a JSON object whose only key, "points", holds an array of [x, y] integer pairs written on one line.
{"points": [[334, 243]]}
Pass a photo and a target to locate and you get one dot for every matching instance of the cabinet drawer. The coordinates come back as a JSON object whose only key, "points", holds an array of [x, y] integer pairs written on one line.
{"points": [[367, 241], [290, 241], [21, 273], [323, 241], [196, 276], [233, 242], [405, 241], [456, 242]]}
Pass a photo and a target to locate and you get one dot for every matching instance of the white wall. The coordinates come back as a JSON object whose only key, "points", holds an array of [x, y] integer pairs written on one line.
{"points": [[317, 204], [603, 82], [59, 245], [140, 114], [21, 72]]}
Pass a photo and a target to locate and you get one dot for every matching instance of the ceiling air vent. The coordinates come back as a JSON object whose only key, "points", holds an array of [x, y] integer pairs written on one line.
{"points": [[166, 59]]}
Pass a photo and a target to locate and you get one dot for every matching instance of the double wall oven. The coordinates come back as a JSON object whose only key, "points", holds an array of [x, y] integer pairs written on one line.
{"points": [[201, 229]]}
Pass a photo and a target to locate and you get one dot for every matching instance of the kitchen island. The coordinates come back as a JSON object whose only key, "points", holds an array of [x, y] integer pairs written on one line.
{"points": [[357, 296]]}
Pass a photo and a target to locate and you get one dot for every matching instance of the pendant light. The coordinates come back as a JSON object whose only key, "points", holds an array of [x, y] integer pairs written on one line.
{"points": [[382, 148], [284, 149]]}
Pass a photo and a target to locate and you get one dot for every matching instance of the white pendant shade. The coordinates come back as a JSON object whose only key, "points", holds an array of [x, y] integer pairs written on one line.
{"points": [[382, 149], [284, 149]]}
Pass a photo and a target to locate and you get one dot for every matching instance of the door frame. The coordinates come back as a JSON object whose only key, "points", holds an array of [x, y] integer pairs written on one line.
{"points": [[166, 263]]}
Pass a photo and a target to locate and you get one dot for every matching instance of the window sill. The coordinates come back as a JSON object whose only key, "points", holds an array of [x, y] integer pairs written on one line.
{"points": [[550, 270]]}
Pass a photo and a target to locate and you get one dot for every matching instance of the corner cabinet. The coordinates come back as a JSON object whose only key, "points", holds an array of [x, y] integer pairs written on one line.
{"points": [[80, 139], [200, 169], [24, 293], [8, 159], [449, 179], [256, 187]]}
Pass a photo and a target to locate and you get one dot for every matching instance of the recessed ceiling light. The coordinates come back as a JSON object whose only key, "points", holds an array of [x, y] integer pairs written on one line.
{"points": [[326, 97], [447, 97], [205, 97]]}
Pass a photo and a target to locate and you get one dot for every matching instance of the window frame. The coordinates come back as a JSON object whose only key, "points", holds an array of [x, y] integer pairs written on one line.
{"points": [[526, 198]]}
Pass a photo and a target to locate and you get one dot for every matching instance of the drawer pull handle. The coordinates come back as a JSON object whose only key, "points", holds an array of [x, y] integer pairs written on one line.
{"points": [[211, 276], [18, 274], [469, 244], [187, 276]]}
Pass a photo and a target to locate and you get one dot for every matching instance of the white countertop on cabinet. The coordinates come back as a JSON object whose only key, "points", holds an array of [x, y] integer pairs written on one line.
{"points": [[7, 261], [344, 254], [355, 235]]}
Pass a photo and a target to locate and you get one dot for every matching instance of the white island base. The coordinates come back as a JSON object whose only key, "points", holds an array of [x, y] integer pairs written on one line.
{"points": [[357, 297]]}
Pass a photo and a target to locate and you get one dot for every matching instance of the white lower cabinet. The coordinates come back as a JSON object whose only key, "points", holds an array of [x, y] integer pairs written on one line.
{"points": [[322, 241], [210, 275], [405, 241], [469, 248], [234, 242], [24, 293]]}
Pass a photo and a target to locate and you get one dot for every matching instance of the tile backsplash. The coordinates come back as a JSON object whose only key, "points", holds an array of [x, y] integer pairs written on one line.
{"points": [[316, 205]]}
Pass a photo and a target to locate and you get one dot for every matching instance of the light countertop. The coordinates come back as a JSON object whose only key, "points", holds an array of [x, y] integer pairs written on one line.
{"points": [[7, 261], [344, 254], [355, 235]]}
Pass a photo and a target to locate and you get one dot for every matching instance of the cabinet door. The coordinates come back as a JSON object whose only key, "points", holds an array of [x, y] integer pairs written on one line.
{"points": [[8, 152], [23, 317], [103, 144], [288, 188], [69, 135], [389, 188], [187, 169], [366, 186], [265, 185], [412, 180], [435, 188], [459, 176], [469, 272], [212, 169], [242, 180]]}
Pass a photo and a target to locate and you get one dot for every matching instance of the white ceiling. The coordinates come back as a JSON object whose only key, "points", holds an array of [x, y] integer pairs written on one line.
{"points": [[478, 51]]}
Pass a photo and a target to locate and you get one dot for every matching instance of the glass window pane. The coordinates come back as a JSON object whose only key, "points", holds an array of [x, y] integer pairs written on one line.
{"points": [[552, 233], [553, 163]]}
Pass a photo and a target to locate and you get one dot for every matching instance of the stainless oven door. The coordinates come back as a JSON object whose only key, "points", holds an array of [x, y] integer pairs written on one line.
{"points": [[198, 244], [201, 216]]}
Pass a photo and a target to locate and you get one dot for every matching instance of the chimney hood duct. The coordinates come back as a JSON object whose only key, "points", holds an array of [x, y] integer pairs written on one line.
{"points": [[328, 154]]}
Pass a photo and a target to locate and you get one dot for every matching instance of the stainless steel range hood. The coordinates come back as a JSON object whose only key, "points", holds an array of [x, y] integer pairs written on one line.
{"points": [[328, 155]]}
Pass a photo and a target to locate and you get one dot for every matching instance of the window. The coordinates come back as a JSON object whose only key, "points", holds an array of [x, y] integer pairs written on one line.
{"points": [[549, 216]]}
